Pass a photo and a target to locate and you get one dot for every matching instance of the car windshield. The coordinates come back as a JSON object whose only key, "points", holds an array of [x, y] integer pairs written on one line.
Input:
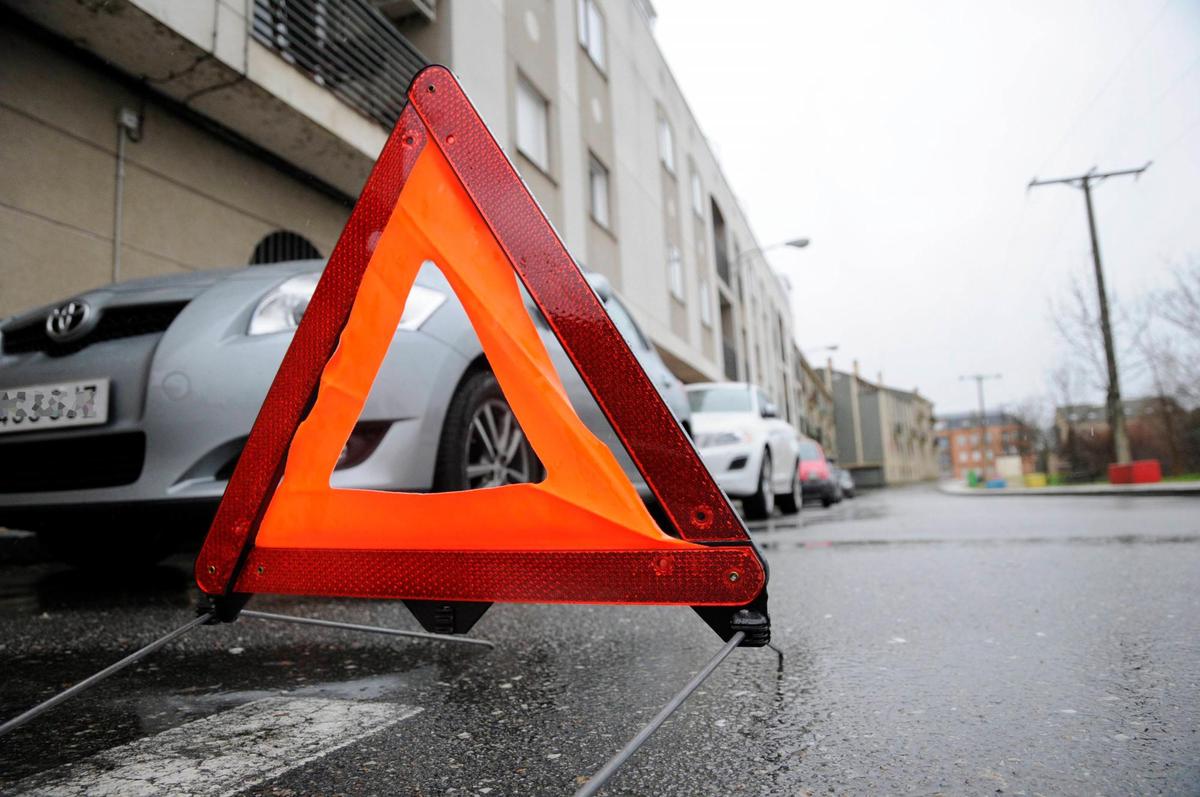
{"points": [[809, 451], [720, 399], [624, 323]]}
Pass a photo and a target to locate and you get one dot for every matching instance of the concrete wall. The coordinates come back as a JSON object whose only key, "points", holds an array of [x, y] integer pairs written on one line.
{"points": [[191, 199]]}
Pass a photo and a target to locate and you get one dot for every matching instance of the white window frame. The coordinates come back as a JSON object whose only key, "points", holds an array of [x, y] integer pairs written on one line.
{"points": [[592, 32], [533, 107], [666, 144], [599, 192], [675, 272], [697, 193], [706, 303]]}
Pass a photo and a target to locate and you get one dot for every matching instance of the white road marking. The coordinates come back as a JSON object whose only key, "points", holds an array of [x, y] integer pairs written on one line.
{"points": [[222, 754]]}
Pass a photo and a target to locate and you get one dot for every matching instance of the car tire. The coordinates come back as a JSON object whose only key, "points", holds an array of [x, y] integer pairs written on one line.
{"points": [[790, 503], [760, 505], [477, 448], [826, 500]]}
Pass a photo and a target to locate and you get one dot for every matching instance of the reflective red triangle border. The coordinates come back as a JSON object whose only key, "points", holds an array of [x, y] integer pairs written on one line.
{"points": [[440, 113]]}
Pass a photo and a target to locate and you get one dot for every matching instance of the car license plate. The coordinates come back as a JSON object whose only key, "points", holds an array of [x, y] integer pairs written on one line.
{"points": [[55, 406]]}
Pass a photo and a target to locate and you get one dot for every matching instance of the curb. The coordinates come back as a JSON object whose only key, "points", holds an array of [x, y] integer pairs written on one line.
{"points": [[1142, 490]]}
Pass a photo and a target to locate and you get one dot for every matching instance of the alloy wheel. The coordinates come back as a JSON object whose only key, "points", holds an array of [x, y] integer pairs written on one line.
{"points": [[497, 452]]}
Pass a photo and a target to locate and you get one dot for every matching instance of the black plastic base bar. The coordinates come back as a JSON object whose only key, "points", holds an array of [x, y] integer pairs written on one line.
{"points": [[597, 781], [132, 658], [370, 629]]}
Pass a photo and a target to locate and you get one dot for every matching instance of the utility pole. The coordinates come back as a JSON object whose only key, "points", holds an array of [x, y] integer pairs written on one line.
{"points": [[979, 380], [1116, 414]]}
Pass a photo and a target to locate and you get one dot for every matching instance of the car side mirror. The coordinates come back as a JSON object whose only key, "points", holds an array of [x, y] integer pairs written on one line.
{"points": [[769, 410]]}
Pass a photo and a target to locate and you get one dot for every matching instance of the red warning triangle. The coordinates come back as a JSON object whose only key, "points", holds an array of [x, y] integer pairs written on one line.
{"points": [[443, 191]]}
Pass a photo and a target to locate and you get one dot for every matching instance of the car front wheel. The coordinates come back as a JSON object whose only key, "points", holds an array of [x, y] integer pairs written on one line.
{"points": [[790, 503], [482, 444], [760, 505]]}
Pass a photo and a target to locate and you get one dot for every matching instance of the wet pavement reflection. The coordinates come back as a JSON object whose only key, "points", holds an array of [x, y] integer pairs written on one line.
{"points": [[930, 644]]}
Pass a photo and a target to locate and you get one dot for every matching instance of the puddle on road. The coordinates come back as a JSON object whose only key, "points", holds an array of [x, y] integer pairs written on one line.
{"points": [[785, 543]]}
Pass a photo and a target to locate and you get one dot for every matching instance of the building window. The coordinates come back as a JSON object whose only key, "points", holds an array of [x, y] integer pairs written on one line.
{"points": [[591, 32], [533, 124], [962, 456], [706, 306], [598, 191], [282, 246], [697, 193], [666, 144], [675, 272]]}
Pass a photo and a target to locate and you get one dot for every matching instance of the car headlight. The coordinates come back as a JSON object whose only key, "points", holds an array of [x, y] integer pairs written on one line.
{"points": [[713, 439], [283, 307]]}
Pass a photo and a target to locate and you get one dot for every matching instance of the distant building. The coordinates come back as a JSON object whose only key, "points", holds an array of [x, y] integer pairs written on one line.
{"points": [[1158, 428], [963, 446], [814, 398], [884, 435]]}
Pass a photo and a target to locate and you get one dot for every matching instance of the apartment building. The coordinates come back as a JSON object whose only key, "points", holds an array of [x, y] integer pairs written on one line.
{"points": [[964, 444], [148, 137], [815, 397], [884, 435]]}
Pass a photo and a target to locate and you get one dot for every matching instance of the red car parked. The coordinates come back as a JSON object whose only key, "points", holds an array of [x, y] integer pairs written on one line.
{"points": [[816, 474]]}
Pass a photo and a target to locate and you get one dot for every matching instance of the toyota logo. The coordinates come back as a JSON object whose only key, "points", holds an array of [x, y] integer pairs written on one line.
{"points": [[67, 320]]}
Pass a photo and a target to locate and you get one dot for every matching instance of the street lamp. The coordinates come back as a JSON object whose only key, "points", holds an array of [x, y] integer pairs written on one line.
{"points": [[795, 243]]}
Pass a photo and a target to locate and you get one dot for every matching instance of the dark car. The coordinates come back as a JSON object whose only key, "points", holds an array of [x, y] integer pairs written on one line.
{"points": [[816, 474], [845, 481]]}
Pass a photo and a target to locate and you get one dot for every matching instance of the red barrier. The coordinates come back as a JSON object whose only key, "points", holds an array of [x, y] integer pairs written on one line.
{"points": [[1142, 471]]}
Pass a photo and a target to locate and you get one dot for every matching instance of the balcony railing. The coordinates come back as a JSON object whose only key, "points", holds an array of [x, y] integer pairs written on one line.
{"points": [[731, 364], [722, 261], [347, 46]]}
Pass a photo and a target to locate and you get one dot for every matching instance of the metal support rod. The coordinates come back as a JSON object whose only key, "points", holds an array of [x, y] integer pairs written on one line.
{"points": [[132, 658], [597, 781], [372, 629]]}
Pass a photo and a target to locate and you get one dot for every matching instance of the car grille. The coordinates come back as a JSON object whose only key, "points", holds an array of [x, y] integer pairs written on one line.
{"points": [[72, 463], [114, 323]]}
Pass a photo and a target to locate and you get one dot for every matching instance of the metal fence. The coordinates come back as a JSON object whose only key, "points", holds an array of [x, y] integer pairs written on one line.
{"points": [[347, 46]]}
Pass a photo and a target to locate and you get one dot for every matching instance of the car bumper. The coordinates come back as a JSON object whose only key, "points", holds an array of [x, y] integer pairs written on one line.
{"points": [[195, 404], [735, 468], [818, 489]]}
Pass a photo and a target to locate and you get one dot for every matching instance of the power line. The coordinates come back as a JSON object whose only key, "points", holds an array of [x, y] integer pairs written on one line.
{"points": [[1107, 83], [1116, 413]]}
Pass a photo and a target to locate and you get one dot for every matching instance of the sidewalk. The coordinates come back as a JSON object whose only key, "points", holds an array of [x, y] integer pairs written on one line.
{"points": [[1160, 488]]}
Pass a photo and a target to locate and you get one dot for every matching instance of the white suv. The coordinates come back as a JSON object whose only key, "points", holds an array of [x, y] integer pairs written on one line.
{"points": [[750, 451]]}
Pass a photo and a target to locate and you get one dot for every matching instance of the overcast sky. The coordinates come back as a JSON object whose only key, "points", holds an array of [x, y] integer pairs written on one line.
{"points": [[900, 138]]}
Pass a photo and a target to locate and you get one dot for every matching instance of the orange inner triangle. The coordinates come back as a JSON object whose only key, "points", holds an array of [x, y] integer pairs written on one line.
{"points": [[586, 502]]}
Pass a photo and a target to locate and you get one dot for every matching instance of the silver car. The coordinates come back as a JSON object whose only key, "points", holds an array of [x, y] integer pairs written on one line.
{"points": [[123, 410]]}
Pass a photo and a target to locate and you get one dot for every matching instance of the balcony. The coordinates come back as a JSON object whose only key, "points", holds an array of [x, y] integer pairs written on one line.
{"points": [[346, 46], [315, 83]]}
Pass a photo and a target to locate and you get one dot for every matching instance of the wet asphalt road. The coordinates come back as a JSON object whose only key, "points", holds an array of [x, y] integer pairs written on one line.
{"points": [[933, 644]]}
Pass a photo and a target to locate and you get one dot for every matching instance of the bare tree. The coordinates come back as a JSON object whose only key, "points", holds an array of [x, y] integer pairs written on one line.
{"points": [[1064, 379], [1181, 304], [1077, 318], [1174, 357]]}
